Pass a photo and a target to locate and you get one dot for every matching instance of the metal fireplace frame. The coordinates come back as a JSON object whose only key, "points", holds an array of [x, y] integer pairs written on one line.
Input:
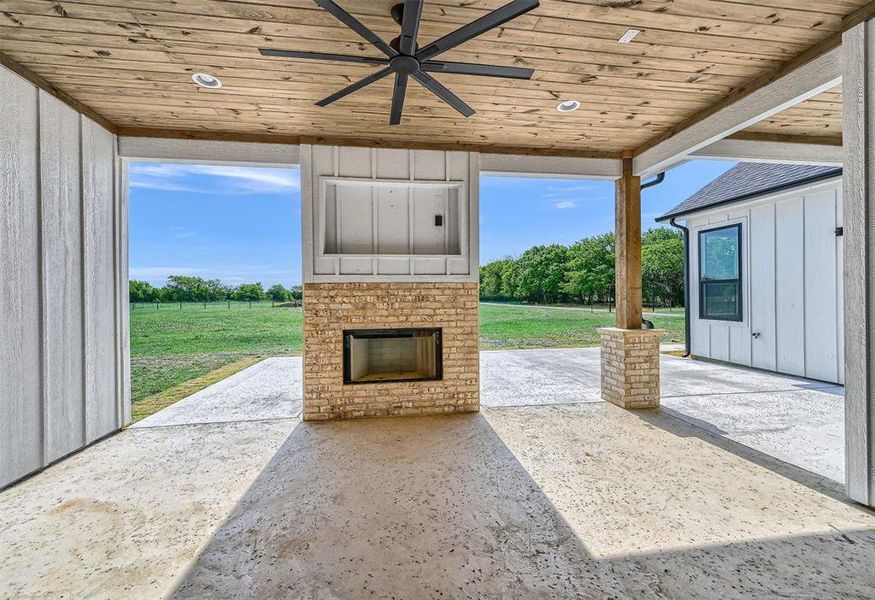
{"points": [[394, 332]]}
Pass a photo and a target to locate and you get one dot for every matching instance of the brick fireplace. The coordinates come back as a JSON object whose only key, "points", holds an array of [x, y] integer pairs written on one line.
{"points": [[332, 308], [391, 290]]}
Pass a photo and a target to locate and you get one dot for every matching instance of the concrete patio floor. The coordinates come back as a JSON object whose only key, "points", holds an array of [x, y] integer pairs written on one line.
{"points": [[797, 420], [564, 500]]}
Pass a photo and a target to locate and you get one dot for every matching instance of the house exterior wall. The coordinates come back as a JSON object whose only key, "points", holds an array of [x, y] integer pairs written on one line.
{"points": [[791, 284], [63, 282]]}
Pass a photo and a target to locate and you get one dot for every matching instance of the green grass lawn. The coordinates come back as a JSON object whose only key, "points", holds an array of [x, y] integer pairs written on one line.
{"points": [[170, 346], [519, 326], [176, 351]]}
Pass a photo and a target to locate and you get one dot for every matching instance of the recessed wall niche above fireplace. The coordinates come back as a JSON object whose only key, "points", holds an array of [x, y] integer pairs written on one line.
{"points": [[390, 282]]}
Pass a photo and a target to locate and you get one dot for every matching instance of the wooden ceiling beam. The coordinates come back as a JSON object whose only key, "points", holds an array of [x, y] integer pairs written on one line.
{"points": [[772, 151], [768, 136], [814, 71]]}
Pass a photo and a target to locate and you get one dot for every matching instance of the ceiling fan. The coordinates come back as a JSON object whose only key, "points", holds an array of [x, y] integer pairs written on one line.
{"points": [[404, 58]]}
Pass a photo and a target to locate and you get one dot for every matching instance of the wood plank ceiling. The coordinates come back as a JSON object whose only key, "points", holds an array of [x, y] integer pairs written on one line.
{"points": [[132, 61], [817, 119]]}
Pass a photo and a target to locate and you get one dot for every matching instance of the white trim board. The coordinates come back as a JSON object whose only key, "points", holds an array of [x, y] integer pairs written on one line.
{"points": [[859, 208], [818, 75], [553, 167], [208, 151], [771, 152]]}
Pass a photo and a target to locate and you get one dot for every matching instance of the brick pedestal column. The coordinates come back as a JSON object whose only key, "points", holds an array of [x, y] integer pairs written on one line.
{"points": [[630, 366]]}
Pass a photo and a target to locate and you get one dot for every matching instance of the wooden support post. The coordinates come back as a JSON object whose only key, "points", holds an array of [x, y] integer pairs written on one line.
{"points": [[630, 355], [628, 248], [858, 45]]}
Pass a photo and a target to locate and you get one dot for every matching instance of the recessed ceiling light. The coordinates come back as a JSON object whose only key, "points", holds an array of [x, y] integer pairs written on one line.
{"points": [[629, 36], [207, 81], [568, 106]]}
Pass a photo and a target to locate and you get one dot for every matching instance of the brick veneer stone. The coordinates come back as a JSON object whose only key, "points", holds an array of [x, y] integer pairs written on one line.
{"points": [[630, 367], [329, 308]]}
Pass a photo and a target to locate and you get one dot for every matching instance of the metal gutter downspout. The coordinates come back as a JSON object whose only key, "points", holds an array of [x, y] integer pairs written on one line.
{"points": [[686, 231], [656, 181], [660, 177]]}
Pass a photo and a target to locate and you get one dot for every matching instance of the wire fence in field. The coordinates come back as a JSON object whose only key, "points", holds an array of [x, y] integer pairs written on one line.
{"points": [[221, 305]]}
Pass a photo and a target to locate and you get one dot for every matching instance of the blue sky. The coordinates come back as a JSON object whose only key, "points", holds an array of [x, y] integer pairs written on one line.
{"points": [[243, 224], [237, 224]]}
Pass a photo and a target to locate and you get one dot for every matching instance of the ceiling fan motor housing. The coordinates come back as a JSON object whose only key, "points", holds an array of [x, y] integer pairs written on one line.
{"points": [[404, 64]]}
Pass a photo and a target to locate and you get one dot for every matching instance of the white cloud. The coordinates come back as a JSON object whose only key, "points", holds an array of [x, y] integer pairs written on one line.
{"points": [[565, 204], [181, 233], [281, 178], [166, 187], [154, 273], [229, 180], [565, 189]]}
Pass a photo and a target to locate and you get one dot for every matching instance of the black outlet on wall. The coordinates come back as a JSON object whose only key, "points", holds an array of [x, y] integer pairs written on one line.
{"points": [[438, 220]]}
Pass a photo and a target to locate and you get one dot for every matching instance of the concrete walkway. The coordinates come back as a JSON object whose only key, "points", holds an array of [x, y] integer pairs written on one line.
{"points": [[270, 389]]}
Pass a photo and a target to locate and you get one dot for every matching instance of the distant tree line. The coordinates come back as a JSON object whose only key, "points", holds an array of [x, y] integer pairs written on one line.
{"points": [[583, 272], [181, 288]]}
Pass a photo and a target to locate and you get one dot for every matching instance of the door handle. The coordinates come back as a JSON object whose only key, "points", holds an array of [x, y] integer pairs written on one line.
{"points": [[755, 334]]}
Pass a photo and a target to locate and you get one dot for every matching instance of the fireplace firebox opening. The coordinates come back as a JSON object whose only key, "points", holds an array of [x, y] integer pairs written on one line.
{"points": [[389, 355]]}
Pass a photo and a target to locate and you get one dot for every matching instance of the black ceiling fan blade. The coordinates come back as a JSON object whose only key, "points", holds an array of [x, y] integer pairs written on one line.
{"points": [[398, 94], [321, 56], [442, 92], [410, 26], [475, 28], [458, 68], [357, 26], [355, 87]]}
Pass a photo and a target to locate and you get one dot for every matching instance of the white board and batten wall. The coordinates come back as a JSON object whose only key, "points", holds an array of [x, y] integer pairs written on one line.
{"points": [[792, 303], [377, 214], [63, 281]]}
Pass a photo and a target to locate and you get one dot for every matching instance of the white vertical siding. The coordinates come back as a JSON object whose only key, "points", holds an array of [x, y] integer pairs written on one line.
{"points": [[63, 362], [60, 273], [791, 285], [98, 190], [21, 443], [763, 284], [821, 314]]}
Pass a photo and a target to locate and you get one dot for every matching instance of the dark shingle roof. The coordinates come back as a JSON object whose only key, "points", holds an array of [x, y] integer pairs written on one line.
{"points": [[747, 180]]}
